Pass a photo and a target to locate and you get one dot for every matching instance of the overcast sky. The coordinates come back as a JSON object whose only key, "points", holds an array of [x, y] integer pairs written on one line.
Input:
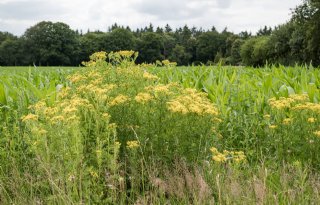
{"points": [[237, 15]]}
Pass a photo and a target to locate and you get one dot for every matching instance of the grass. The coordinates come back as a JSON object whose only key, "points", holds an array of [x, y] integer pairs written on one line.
{"points": [[119, 133]]}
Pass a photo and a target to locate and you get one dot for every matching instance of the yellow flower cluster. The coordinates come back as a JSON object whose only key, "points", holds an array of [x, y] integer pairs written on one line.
{"points": [[126, 54], [38, 131], [267, 116], [311, 120], [106, 116], [69, 110], [273, 127], [57, 119], [98, 91], [313, 107], [120, 99], [300, 97], [192, 101], [143, 98], [48, 111], [317, 133], [102, 55], [97, 81], [38, 106], [94, 74], [94, 58], [64, 111], [76, 78], [281, 103], [29, 117], [149, 76], [292, 101], [287, 121], [227, 156], [118, 144], [168, 63], [64, 92], [133, 144], [159, 89]]}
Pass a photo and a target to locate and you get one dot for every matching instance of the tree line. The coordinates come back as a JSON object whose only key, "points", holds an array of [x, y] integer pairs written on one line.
{"points": [[55, 44]]}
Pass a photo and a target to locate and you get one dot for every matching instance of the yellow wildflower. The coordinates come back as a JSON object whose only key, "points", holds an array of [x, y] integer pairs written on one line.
{"points": [[58, 118], [120, 99], [273, 127], [311, 120], [76, 78], [126, 54], [266, 116], [168, 63], [94, 174], [192, 101], [214, 150], [69, 109], [281, 103], [143, 97], [38, 131], [112, 126], [72, 118], [300, 97], [132, 144], [161, 88], [317, 133], [227, 156], [177, 107], [29, 117], [149, 76], [287, 121], [219, 158], [38, 106], [106, 116]]}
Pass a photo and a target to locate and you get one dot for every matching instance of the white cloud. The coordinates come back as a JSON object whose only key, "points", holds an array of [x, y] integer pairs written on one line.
{"points": [[237, 15]]}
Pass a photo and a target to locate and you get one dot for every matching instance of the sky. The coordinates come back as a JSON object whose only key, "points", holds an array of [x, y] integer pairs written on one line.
{"points": [[237, 15]]}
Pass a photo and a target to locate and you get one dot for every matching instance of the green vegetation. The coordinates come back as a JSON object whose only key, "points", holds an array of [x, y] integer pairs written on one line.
{"points": [[23, 86], [119, 133], [51, 44], [243, 98]]}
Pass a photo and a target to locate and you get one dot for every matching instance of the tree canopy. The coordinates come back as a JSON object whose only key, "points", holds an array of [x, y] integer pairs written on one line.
{"points": [[48, 43]]}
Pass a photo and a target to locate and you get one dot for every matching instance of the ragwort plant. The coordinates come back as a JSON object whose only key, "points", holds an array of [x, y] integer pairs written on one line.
{"points": [[108, 131], [294, 124]]}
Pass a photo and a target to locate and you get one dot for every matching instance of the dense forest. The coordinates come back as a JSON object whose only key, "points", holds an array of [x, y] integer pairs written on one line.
{"points": [[295, 42]]}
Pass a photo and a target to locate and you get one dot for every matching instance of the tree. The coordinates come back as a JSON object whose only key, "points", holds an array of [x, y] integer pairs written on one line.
{"points": [[167, 28], [169, 43], [279, 45], [5, 35], [307, 17], [261, 51], [9, 49], [245, 35], [255, 51], [180, 55], [90, 43], [246, 51], [119, 39], [150, 47], [265, 31], [51, 44], [235, 57], [10, 52], [208, 44]]}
